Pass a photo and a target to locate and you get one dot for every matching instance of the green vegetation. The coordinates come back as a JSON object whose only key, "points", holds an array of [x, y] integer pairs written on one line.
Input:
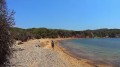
{"points": [[6, 40], [37, 33]]}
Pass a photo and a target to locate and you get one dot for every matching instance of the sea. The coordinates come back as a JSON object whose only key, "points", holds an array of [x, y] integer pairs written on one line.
{"points": [[99, 50]]}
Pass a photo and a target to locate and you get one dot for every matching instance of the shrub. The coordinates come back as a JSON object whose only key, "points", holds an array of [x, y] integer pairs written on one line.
{"points": [[6, 41]]}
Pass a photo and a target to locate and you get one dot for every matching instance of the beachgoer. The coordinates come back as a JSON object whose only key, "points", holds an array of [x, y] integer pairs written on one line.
{"points": [[52, 44]]}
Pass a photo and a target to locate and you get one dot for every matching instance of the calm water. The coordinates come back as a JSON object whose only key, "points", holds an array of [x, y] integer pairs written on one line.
{"points": [[100, 50]]}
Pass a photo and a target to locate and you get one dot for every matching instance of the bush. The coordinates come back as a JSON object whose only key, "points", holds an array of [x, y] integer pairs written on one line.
{"points": [[6, 41]]}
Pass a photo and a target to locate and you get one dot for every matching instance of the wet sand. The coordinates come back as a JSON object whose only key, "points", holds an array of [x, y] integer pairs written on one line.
{"points": [[39, 53]]}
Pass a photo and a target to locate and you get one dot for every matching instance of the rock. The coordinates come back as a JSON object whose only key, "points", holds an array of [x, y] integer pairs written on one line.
{"points": [[38, 46], [19, 42]]}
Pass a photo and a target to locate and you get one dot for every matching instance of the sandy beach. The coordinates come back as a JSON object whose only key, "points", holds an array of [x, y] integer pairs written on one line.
{"points": [[38, 53]]}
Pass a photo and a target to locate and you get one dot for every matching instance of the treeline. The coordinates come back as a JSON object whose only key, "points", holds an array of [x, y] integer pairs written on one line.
{"points": [[38, 33], [107, 33]]}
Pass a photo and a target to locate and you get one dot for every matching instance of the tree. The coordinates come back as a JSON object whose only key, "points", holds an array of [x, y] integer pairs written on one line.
{"points": [[6, 41]]}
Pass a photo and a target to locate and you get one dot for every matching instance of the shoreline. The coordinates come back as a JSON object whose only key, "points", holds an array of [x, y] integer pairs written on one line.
{"points": [[39, 53], [79, 59], [66, 55], [71, 58]]}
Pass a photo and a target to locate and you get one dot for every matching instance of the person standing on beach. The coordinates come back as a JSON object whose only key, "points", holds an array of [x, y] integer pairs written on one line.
{"points": [[52, 44]]}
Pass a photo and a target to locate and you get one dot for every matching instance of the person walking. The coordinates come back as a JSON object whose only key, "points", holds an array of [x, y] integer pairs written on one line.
{"points": [[52, 44]]}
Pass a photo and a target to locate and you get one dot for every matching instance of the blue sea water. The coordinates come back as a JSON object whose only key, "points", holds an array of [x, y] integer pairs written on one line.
{"points": [[99, 50]]}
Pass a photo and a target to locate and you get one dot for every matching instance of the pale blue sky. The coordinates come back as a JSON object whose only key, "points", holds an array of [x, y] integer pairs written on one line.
{"points": [[66, 14]]}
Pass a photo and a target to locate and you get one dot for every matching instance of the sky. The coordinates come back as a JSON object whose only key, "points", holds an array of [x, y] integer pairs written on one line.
{"points": [[66, 14]]}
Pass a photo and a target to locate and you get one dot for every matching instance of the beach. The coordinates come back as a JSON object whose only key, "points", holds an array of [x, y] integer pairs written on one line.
{"points": [[39, 53]]}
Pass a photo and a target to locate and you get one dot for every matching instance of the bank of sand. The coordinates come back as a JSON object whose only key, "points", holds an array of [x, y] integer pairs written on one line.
{"points": [[38, 53]]}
